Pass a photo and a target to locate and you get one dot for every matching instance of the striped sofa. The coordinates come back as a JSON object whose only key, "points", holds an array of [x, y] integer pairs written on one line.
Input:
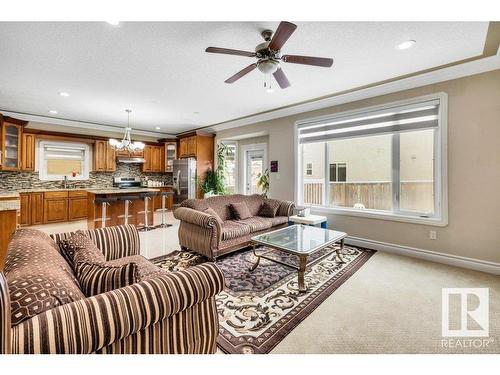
{"points": [[165, 312], [201, 232]]}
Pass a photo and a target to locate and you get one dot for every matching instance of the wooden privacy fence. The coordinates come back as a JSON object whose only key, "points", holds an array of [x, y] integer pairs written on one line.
{"points": [[414, 195]]}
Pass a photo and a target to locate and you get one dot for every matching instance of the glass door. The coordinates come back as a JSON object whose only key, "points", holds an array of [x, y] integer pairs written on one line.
{"points": [[254, 167]]}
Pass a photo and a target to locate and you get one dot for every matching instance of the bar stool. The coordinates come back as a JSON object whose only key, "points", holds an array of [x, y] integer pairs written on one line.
{"points": [[127, 199], [164, 210], [104, 202], [147, 198]]}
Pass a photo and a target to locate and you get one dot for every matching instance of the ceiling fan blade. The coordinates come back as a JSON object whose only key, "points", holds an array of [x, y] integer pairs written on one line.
{"points": [[285, 29], [280, 77], [227, 51], [308, 60], [241, 73]]}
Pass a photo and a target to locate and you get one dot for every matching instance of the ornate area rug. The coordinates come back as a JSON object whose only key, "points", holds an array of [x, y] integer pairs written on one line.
{"points": [[258, 309]]}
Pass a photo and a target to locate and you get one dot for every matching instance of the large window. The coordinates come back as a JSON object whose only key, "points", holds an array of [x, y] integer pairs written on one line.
{"points": [[63, 159], [380, 162]]}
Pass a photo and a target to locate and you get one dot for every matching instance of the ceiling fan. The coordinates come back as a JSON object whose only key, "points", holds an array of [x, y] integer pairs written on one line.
{"points": [[269, 56]]}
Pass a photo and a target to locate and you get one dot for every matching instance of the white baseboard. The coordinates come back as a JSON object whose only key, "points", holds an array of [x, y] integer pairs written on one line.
{"points": [[452, 260]]}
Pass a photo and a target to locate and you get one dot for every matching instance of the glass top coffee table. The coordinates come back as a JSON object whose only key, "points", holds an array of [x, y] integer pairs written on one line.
{"points": [[299, 240]]}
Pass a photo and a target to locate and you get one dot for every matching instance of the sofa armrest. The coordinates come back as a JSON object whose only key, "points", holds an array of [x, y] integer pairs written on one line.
{"points": [[195, 217], [87, 325], [286, 208]]}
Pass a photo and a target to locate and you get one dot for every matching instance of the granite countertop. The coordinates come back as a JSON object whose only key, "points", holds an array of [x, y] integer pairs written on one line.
{"points": [[5, 194], [121, 191], [10, 205]]}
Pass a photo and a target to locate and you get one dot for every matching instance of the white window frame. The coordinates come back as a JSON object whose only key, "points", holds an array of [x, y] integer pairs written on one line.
{"points": [[236, 161], [440, 217], [42, 164]]}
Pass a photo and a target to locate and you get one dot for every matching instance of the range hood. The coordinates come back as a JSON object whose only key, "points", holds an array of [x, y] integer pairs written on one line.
{"points": [[130, 160]]}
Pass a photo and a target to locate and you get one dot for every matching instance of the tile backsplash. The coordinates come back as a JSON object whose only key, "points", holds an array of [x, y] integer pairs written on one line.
{"points": [[30, 180]]}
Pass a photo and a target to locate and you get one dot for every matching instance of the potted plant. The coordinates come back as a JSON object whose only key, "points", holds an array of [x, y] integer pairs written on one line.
{"points": [[263, 182], [213, 183]]}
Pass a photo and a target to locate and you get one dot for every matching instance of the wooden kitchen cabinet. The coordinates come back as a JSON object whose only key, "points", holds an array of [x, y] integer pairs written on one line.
{"points": [[148, 163], [188, 146], [77, 209], [170, 156], [55, 210], [104, 157], [25, 211], [36, 208], [153, 159], [28, 146], [10, 146]]}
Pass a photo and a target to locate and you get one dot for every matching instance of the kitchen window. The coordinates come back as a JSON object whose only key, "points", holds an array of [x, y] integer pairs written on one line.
{"points": [[384, 162], [60, 159]]}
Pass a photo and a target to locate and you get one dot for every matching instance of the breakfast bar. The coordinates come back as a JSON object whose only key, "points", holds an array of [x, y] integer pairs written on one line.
{"points": [[115, 206]]}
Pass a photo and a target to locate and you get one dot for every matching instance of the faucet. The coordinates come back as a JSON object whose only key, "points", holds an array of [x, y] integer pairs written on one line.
{"points": [[65, 182]]}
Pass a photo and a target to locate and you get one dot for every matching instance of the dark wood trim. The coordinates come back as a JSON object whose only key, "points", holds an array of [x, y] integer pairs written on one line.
{"points": [[13, 120]]}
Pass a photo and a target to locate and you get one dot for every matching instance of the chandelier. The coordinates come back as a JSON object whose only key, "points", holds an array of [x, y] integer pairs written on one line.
{"points": [[126, 144]]}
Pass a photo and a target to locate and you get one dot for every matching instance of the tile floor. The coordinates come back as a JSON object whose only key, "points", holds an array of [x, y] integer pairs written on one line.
{"points": [[154, 243]]}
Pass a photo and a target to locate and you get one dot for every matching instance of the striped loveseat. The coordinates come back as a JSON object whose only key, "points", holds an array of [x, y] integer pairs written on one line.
{"points": [[165, 312]]}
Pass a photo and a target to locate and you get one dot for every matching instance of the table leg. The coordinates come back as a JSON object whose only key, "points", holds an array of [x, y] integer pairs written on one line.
{"points": [[256, 264], [339, 251], [302, 269]]}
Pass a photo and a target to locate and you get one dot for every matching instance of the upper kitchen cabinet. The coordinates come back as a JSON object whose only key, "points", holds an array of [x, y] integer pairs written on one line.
{"points": [[104, 157], [28, 146], [153, 159], [170, 155], [10, 147]]}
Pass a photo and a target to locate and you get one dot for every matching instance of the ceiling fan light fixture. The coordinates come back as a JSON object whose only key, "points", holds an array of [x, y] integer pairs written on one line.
{"points": [[268, 66]]}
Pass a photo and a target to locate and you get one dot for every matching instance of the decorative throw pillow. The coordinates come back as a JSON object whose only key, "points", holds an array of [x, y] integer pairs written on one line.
{"points": [[80, 248], [99, 278], [269, 208], [212, 212], [240, 210]]}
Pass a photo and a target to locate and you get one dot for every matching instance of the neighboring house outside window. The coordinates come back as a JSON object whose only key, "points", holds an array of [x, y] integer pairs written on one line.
{"points": [[309, 169]]}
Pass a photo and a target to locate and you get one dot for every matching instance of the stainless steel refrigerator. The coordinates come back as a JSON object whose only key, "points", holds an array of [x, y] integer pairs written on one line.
{"points": [[184, 180]]}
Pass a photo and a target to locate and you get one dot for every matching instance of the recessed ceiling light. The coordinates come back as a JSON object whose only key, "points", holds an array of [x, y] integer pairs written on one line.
{"points": [[53, 112], [113, 23], [406, 45], [65, 94], [157, 128]]}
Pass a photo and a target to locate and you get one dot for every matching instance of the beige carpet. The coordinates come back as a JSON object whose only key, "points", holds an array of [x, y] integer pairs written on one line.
{"points": [[391, 305]]}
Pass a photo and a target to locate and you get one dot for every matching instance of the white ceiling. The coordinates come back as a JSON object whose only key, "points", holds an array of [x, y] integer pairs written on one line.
{"points": [[161, 72]]}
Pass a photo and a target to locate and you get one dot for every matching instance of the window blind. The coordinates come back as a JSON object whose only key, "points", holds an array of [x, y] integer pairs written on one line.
{"points": [[389, 120]]}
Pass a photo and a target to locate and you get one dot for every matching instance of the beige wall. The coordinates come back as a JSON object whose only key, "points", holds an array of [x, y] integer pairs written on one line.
{"points": [[473, 170]]}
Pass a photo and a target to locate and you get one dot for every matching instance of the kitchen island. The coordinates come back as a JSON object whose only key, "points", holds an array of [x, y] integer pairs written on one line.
{"points": [[116, 209]]}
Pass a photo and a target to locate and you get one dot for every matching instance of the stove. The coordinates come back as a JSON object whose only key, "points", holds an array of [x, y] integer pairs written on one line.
{"points": [[127, 182]]}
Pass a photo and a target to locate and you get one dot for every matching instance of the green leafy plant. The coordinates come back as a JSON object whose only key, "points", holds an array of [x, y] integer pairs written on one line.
{"points": [[214, 181], [263, 182]]}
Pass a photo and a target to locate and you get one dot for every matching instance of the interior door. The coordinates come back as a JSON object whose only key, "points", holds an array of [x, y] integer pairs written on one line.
{"points": [[254, 166]]}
